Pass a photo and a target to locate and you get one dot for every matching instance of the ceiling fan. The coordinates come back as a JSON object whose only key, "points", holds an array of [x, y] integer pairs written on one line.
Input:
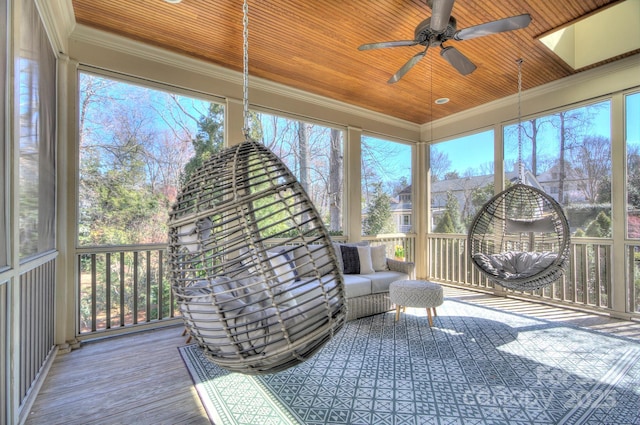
{"points": [[441, 27]]}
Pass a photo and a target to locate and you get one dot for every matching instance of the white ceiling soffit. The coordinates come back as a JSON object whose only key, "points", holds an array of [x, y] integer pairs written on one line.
{"points": [[610, 32]]}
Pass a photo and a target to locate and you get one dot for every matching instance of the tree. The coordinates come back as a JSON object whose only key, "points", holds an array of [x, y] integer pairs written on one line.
{"points": [[633, 177], [604, 221], [592, 162], [439, 164], [572, 125], [451, 175], [208, 141], [450, 220], [445, 224], [600, 227], [335, 181], [303, 154], [378, 219]]}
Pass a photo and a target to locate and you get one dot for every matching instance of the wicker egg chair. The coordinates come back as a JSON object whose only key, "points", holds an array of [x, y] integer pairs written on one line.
{"points": [[520, 239], [250, 306]]}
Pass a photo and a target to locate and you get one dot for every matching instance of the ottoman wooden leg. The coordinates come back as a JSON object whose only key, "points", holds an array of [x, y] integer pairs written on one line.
{"points": [[435, 313], [397, 312], [429, 316]]}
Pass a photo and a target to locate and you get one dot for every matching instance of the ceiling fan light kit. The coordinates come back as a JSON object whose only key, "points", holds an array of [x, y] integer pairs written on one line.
{"points": [[442, 27]]}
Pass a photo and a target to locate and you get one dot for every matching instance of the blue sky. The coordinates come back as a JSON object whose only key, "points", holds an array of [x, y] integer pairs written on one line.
{"points": [[475, 150]]}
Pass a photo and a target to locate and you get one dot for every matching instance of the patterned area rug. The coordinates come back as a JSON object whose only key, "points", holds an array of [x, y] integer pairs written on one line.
{"points": [[475, 366]]}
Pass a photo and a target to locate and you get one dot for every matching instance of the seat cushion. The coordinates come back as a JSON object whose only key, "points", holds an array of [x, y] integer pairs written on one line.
{"points": [[357, 285], [380, 281]]}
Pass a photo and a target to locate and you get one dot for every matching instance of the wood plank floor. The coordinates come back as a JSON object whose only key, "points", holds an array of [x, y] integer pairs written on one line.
{"points": [[134, 379], [141, 378]]}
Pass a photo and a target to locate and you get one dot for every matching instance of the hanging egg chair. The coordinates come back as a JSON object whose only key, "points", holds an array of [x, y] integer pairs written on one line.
{"points": [[254, 308], [520, 239]]}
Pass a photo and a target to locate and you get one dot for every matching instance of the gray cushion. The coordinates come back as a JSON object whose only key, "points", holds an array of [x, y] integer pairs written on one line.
{"points": [[380, 281], [357, 285], [515, 264]]}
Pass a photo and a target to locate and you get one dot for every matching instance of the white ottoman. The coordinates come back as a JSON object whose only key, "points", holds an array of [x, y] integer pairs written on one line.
{"points": [[416, 293]]}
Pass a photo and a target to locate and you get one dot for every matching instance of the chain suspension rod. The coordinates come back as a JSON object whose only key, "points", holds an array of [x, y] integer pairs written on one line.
{"points": [[520, 163], [245, 69]]}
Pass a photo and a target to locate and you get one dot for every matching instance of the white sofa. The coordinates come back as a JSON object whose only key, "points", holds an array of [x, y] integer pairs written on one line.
{"points": [[366, 288]]}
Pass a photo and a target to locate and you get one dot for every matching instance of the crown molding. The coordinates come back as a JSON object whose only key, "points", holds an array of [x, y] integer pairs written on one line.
{"points": [[630, 63], [59, 21], [92, 36]]}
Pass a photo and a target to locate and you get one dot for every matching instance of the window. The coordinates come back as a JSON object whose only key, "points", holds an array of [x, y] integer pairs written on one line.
{"points": [[386, 186], [461, 181], [4, 141], [568, 153], [314, 154], [632, 136], [36, 90], [137, 145]]}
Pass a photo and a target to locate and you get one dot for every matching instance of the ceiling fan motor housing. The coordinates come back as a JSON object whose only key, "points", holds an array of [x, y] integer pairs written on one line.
{"points": [[425, 36]]}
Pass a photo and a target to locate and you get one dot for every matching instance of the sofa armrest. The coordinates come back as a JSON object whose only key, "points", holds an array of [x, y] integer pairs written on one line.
{"points": [[402, 267]]}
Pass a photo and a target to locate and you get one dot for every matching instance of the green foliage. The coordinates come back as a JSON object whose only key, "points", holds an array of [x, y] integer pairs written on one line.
{"points": [[633, 180], [450, 220], [445, 224], [579, 233], [600, 227], [604, 190], [594, 230], [379, 219], [605, 223], [208, 141]]}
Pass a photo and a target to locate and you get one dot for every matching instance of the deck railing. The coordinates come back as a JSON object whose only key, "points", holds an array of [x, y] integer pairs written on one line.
{"points": [[36, 320], [126, 286], [391, 241], [633, 277], [587, 280], [123, 286]]}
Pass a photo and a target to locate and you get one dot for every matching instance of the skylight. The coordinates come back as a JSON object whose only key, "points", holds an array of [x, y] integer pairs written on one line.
{"points": [[599, 36]]}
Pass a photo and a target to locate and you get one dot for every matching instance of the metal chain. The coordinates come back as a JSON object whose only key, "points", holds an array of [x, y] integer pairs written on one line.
{"points": [[245, 69], [520, 164]]}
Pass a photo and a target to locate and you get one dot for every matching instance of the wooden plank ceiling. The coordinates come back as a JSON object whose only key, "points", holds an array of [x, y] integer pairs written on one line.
{"points": [[312, 46]]}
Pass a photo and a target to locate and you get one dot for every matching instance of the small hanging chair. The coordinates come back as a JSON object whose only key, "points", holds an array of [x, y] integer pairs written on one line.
{"points": [[253, 308], [520, 239]]}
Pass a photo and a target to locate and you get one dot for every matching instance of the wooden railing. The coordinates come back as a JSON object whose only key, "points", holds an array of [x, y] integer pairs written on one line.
{"points": [[4, 341], [122, 287], [391, 241], [633, 278], [587, 280], [36, 323]]}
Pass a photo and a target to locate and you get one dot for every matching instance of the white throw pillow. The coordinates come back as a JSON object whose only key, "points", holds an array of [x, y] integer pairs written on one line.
{"points": [[282, 266], [364, 255], [379, 258]]}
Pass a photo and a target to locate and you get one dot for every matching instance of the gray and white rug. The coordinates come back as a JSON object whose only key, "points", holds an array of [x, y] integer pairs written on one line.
{"points": [[475, 366]]}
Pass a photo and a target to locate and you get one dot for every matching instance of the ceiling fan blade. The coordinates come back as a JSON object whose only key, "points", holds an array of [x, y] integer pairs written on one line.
{"points": [[494, 27], [458, 60], [407, 66], [384, 44], [441, 13]]}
